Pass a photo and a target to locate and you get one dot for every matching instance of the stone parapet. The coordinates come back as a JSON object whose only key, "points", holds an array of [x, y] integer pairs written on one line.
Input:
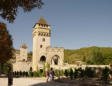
{"points": [[55, 49]]}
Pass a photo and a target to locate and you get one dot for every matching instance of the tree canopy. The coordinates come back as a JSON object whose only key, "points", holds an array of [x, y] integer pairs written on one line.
{"points": [[91, 55], [9, 8], [5, 44]]}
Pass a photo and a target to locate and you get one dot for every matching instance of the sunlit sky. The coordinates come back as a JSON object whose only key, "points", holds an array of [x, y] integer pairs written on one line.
{"points": [[74, 23]]}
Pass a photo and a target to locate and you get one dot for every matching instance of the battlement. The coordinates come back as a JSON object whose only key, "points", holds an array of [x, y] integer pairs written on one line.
{"points": [[55, 49]]}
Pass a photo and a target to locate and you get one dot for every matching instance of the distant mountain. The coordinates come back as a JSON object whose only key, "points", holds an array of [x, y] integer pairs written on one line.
{"points": [[90, 55]]}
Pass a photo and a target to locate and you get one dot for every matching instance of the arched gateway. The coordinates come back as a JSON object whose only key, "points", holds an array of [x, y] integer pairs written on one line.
{"points": [[43, 59], [55, 60]]}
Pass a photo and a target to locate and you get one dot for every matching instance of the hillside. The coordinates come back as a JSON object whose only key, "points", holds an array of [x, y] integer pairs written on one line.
{"points": [[90, 55]]}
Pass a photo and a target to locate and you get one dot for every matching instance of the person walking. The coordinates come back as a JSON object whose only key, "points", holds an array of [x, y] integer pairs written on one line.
{"points": [[51, 74], [47, 75], [10, 77]]}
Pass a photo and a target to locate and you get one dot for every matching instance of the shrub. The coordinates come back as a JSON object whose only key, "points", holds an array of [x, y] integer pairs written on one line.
{"points": [[48, 65], [56, 72], [44, 71], [66, 73], [17, 73], [71, 73], [61, 72], [75, 74], [105, 74], [20, 73], [35, 74], [26, 74], [89, 72], [23, 73], [80, 72], [30, 74]]}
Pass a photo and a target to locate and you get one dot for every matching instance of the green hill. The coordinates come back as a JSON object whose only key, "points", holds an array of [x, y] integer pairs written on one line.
{"points": [[90, 55]]}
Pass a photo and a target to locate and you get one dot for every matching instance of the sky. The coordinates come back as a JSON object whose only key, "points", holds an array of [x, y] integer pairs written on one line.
{"points": [[74, 24]]}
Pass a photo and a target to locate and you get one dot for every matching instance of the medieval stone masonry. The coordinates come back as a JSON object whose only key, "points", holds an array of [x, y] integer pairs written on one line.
{"points": [[43, 53]]}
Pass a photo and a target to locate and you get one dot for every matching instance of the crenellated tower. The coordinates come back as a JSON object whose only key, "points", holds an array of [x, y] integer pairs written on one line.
{"points": [[41, 40]]}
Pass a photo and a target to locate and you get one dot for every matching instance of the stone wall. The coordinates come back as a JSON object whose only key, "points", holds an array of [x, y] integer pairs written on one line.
{"points": [[22, 66]]}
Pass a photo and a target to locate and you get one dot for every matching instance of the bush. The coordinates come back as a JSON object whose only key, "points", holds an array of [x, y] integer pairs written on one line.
{"points": [[61, 72], [80, 72], [23, 73], [48, 65], [35, 74], [66, 73], [89, 72], [17, 73], [20, 73], [56, 72], [105, 74], [71, 73], [26, 74], [30, 74], [75, 74], [44, 71]]}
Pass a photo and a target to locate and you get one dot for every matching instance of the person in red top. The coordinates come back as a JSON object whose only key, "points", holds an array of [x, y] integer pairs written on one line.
{"points": [[47, 75]]}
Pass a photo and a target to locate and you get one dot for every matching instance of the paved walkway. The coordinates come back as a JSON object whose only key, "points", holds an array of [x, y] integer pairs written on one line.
{"points": [[30, 82]]}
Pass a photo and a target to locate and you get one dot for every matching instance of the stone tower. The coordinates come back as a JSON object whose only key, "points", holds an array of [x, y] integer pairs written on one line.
{"points": [[41, 40], [23, 52], [21, 55]]}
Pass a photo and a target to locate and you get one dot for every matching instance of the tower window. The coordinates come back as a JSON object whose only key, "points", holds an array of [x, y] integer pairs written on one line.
{"points": [[43, 39], [40, 46]]}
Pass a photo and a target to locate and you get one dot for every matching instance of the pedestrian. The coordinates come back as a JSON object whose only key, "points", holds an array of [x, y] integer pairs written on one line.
{"points": [[51, 74], [10, 77], [47, 75]]}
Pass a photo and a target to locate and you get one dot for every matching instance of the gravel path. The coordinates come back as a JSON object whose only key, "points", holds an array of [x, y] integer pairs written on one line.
{"points": [[30, 82]]}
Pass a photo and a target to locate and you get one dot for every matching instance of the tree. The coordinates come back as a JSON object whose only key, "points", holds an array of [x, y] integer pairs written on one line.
{"points": [[5, 45], [71, 73], [89, 72], [9, 8], [48, 65], [75, 73], [105, 74], [66, 73], [44, 69], [84, 59]]}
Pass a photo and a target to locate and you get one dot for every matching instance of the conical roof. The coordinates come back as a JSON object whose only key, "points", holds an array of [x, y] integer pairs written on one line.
{"points": [[24, 46], [42, 21]]}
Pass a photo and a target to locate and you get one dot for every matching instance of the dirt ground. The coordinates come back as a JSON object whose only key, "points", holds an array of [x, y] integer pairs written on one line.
{"points": [[42, 82], [31, 82]]}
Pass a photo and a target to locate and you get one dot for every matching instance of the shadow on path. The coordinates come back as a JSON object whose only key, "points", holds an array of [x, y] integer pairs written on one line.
{"points": [[68, 82]]}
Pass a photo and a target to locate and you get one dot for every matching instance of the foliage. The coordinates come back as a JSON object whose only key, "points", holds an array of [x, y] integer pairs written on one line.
{"points": [[75, 74], [71, 73], [66, 73], [4, 68], [105, 74], [56, 72], [5, 44], [81, 72], [48, 65], [35, 74], [30, 74], [29, 56], [44, 70], [89, 72], [91, 55], [9, 8]]}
